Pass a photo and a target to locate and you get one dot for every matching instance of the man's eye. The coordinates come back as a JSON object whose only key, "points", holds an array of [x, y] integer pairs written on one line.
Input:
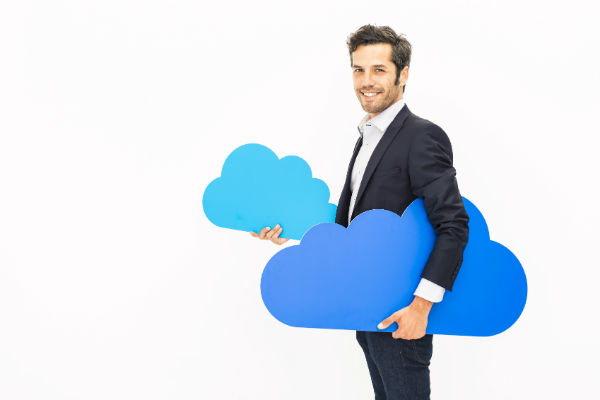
{"points": [[357, 69], [379, 69]]}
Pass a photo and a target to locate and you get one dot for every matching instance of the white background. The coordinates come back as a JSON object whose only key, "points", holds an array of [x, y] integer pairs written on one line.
{"points": [[115, 115]]}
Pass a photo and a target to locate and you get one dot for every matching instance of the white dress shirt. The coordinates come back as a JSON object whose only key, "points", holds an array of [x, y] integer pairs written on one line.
{"points": [[372, 131]]}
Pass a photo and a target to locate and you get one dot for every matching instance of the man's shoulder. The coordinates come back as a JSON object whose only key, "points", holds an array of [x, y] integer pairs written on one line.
{"points": [[420, 124], [425, 130]]}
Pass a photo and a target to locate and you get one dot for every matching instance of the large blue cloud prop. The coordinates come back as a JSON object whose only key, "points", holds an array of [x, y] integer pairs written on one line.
{"points": [[354, 278], [257, 189]]}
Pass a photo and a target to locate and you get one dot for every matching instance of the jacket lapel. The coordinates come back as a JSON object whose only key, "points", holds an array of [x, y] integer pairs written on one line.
{"points": [[344, 202], [385, 141]]}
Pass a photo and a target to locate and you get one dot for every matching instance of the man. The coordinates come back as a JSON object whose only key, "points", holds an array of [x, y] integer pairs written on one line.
{"points": [[397, 158]]}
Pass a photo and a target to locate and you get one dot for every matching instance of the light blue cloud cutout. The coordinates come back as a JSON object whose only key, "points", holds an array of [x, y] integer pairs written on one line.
{"points": [[257, 189], [354, 278]]}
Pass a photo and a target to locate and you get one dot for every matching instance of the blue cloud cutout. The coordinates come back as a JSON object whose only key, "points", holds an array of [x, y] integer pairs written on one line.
{"points": [[354, 278], [257, 189]]}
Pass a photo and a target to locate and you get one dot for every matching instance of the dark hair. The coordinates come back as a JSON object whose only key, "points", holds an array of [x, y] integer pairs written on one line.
{"points": [[371, 34]]}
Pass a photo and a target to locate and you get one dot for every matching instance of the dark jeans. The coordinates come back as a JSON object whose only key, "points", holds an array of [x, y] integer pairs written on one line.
{"points": [[399, 368]]}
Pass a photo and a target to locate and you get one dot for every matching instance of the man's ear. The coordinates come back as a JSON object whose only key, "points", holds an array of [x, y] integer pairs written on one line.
{"points": [[404, 76]]}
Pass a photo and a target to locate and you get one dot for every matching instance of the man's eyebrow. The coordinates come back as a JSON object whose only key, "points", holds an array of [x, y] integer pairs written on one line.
{"points": [[378, 66]]}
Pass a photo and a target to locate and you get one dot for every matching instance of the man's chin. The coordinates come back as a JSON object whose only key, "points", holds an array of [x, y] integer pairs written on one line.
{"points": [[370, 108]]}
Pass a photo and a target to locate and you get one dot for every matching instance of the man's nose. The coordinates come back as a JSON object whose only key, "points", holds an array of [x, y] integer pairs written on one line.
{"points": [[368, 80]]}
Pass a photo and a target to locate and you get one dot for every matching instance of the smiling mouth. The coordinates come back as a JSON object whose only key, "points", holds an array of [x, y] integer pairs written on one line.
{"points": [[370, 95]]}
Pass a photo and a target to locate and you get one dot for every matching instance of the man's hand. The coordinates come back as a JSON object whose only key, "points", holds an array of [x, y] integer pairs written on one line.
{"points": [[270, 234], [411, 320]]}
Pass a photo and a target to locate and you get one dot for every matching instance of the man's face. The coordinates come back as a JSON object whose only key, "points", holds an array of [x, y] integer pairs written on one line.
{"points": [[374, 75]]}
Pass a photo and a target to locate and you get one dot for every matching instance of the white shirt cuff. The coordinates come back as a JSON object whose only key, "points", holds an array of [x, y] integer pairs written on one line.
{"points": [[430, 291]]}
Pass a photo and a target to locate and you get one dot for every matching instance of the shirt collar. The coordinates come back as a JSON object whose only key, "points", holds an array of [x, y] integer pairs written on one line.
{"points": [[383, 120]]}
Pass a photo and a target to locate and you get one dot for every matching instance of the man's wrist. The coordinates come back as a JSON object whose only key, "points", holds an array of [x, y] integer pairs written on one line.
{"points": [[421, 305]]}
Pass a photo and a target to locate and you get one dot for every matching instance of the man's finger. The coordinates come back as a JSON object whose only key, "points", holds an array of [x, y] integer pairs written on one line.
{"points": [[398, 334], [272, 232], [253, 233], [263, 232], [388, 321], [276, 231], [277, 239]]}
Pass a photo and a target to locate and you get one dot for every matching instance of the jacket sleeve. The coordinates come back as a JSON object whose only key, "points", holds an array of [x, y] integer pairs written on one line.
{"points": [[433, 178]]}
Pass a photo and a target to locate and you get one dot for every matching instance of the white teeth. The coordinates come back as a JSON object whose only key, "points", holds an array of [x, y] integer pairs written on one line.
{"points": [[370, 94]]}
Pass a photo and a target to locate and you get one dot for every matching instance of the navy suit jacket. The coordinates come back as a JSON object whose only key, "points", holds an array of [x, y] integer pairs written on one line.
{"points": [[414, 159]]}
